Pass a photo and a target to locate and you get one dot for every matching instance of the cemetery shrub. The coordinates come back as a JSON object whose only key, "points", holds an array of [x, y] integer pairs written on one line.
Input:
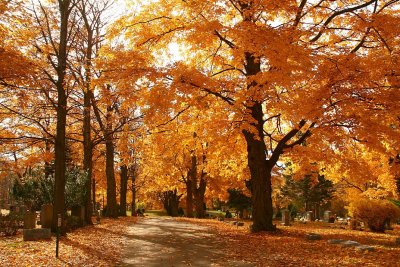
{"points": [[181, 212], [9, 224], [37, 188], [238, 200], [73, 222], [375, 213]]}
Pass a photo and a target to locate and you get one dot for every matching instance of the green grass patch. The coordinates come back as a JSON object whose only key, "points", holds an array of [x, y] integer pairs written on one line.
{"points": [[156, 213], [216, 213]]}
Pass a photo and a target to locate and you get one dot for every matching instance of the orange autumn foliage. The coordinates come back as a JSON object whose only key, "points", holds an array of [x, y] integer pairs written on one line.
{"points": [[375, 213]]}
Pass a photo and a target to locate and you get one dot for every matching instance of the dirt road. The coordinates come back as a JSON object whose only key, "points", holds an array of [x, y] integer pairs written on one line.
{"points": [[162, 241]]}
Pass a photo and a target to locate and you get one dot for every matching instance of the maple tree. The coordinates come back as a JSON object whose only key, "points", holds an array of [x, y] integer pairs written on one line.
{"points": [[202, 96], [285, 70], [90, 42], [190, 154]]}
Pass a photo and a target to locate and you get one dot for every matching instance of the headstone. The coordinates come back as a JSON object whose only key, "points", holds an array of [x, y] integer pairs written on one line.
{"points": [[310, 216], [46, 215], [365, 248], [30, 220], [350, 243], [397, 241], [312, 236], [354, 224], [327, 215], [98, 213], [286, 217], [12, 208], [18, 209], [246, 214], [36, 234], [79, 212], [335, 241], [23, 209]]}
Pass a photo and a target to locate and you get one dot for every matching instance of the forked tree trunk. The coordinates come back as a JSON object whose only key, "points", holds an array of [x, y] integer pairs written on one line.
{"points": [[112, 209], [170, 200], [260, 170]]}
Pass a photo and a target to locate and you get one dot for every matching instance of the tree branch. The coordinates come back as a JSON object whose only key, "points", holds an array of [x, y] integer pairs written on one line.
{"points": [[338, 13]]}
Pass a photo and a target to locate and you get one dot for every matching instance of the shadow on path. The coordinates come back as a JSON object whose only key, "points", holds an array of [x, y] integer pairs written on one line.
{"points": [[165, 242]]}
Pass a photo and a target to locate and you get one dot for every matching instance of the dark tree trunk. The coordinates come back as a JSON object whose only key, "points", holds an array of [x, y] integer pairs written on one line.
{"points": [[60, 168], [94, 194], [87, 139], [199, 202], [170, 200], [260, 170], [123, 190], [189, 198], [133, 204], [87, 156], [112, 209], [60, 156], [48, 168]]}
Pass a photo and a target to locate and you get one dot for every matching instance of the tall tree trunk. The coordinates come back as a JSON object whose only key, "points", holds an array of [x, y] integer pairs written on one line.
{"points": [[199, 193], [87, 156], [112, 209], [94, 193], [260, 170], [133, 204], [47, 165], [123, 190], [60, 156], [170, 200], [87, 139], [189, 198]]}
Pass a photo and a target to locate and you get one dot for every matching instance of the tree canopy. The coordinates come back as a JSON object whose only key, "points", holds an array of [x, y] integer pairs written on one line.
{"points": [[196, 97]]}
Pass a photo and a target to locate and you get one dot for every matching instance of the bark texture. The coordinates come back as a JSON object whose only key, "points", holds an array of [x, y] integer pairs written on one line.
{"points": [[123, 190]]}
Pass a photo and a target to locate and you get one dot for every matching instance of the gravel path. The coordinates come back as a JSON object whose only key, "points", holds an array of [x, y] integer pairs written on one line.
{"points": [[162, 241]]}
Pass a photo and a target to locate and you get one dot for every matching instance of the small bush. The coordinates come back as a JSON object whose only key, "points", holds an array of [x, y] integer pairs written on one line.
{"points": [[375, 213], [9, 224], [73, 222], [181, 212]]}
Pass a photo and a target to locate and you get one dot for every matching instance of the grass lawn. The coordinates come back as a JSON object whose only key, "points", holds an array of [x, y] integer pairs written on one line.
{"points": [[215, 213]]}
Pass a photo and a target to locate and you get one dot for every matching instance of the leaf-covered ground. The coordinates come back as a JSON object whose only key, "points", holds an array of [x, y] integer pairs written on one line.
{"points": [[289, 246], [98, 245], [103, 245]]}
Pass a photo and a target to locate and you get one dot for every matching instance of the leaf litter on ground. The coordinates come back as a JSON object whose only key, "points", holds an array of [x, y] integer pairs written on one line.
{"points": [[288, 246], [97, 245]]}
